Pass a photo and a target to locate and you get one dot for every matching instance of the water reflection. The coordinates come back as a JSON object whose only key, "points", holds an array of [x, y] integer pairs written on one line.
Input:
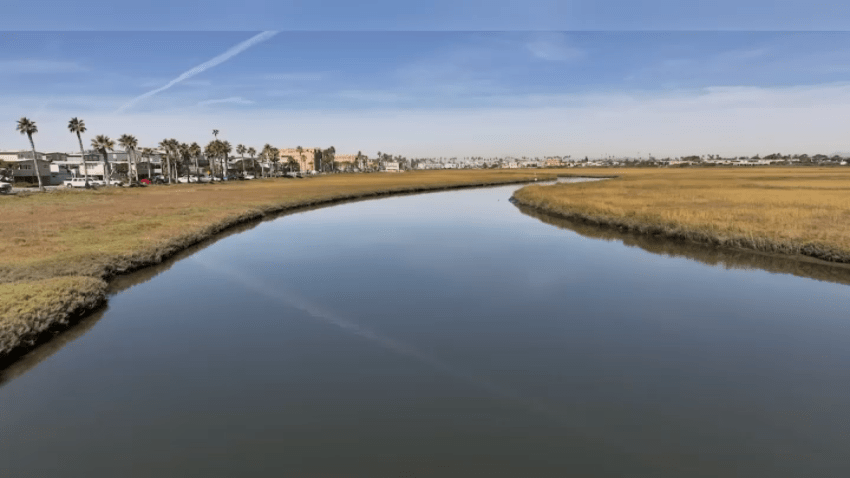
{"points": [[728, 258], [442, 335], [16, 365], [13, 366]]}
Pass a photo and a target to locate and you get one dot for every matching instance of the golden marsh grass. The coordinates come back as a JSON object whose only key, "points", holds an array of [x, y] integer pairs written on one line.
{"points": [[789, 210]]}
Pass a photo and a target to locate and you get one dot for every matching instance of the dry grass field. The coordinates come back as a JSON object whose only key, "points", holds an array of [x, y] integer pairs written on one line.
{"points": [[60, 247], [787, 210]]}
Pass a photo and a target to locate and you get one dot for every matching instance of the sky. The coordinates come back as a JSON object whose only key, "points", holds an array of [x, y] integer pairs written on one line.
{"points": [[419, 82]]}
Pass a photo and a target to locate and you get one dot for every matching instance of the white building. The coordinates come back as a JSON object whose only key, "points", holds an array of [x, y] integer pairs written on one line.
{"points": [[391, 166], [14, 154]]}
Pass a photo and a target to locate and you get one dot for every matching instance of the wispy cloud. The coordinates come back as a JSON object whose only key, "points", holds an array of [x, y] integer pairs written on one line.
{"points": [[148, 83], [714, 120], [230, 53], [40, 66], [553, 47], [234, 100]]}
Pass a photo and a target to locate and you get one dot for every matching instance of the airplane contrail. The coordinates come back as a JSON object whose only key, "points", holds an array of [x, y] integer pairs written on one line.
{"points": [[292, 299], [230, 53], [581, 425]]}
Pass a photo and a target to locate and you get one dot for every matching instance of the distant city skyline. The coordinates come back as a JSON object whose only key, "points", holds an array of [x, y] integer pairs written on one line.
{"points": [[438, 93]]}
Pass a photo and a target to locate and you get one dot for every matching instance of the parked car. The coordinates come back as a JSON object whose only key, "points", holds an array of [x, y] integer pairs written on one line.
{"points": [[249, 176], [81, 182], [145, 181], [5, 188], [190, 179], [76, 182]]}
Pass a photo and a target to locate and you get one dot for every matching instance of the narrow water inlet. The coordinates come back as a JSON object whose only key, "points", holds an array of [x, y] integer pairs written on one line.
{"points": [[446, 332]]}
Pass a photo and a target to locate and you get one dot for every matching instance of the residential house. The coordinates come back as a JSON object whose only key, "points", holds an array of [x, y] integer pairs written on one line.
{"points": [[14, 154], [23, 170]]}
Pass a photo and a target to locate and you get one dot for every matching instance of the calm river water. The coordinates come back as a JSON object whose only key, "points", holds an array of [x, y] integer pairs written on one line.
{"points": [[444, 334]]}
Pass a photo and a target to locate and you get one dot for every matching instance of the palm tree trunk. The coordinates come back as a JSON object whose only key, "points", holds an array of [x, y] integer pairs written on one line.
{"points": [[83, 156], [135, 164], [243, 165], [106, 172], [35, 163], [197, 169]]}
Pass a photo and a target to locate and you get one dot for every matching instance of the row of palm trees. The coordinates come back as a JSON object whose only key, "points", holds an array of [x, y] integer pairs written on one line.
{"points": [[175, 152]]}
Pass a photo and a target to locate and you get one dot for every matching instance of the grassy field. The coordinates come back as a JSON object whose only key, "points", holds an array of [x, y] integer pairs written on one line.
{"points": [[60, 247], [786, 210]]}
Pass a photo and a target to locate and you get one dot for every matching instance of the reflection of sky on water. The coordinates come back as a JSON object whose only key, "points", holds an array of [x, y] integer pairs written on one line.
{"points": [[445, 326]]}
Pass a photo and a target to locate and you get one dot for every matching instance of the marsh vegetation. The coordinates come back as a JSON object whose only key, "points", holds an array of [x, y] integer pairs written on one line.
{"points": [[786, 210]]}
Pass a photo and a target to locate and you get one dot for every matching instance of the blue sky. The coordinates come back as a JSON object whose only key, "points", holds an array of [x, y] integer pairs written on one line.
{"points": [[432, 15], [439, 93]]}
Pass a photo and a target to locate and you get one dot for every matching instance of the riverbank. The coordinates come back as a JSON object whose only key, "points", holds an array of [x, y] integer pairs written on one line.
{"points": [[61, 248], [790, 211]]}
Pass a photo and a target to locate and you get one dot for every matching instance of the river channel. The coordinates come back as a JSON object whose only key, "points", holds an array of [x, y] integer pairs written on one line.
{"points": [[444, 334]]}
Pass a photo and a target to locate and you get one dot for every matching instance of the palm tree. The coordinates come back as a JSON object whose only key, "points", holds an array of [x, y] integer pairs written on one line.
{"points": [[215, 133], [175, 151], [129, 143], [331, 152], [225, 150], [211, 151], [163, 145], [78, 126], [267, 154], [252, 152], [300, 151], [28, 127], [103, 143], [195, 151], [274, 157], [240, 150], [185, 158], [169, 146]]}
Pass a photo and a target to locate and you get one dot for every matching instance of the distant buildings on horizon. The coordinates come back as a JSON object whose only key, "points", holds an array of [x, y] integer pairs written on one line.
{"points": [[55, 167]]}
